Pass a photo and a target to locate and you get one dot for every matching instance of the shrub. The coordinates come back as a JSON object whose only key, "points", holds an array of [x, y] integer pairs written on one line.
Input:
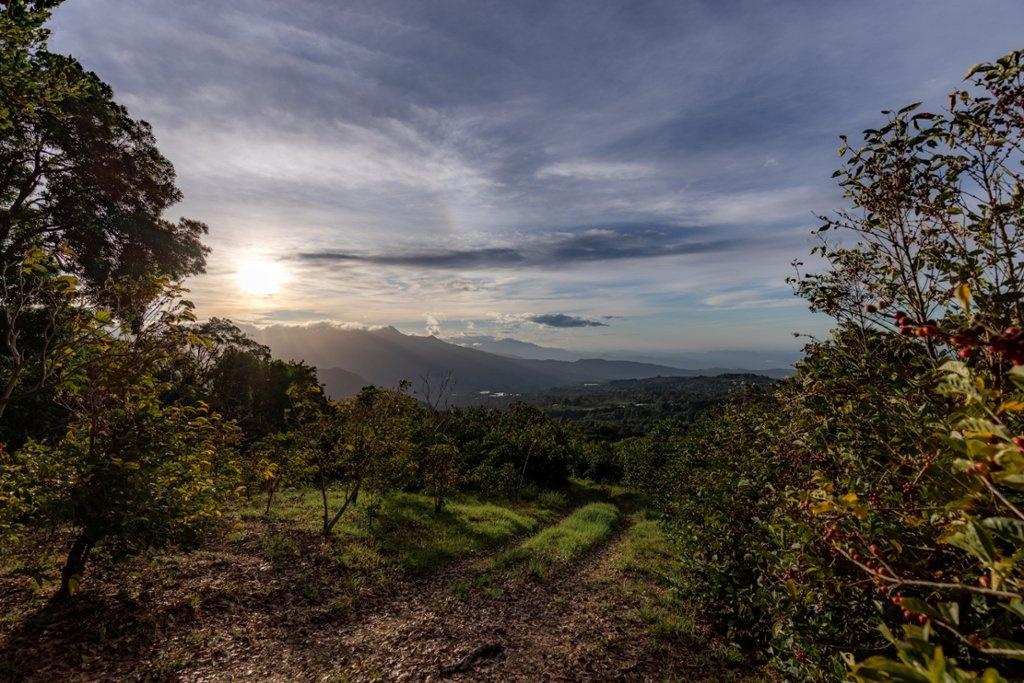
{"points": [[840, 503]]}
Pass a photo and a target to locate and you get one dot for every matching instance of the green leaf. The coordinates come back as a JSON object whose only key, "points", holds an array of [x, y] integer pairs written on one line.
{"points": [[978, 68], [973, 538], [1006, 528], [1015, 607]]}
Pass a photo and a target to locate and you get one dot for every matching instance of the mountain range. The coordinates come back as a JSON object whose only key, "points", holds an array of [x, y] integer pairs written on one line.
{"points": [[348, 359], [773, 363]]}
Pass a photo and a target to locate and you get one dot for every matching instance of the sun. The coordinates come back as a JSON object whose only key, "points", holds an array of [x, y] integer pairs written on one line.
{"points": [[260, 278]]}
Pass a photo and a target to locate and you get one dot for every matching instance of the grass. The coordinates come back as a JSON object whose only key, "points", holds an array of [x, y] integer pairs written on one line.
{"points": [[401, 529], [651, 577], [561, 544]]}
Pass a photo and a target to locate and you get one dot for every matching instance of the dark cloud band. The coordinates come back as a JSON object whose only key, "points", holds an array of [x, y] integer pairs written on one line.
{"points": [[551, 250], [563, 320]]}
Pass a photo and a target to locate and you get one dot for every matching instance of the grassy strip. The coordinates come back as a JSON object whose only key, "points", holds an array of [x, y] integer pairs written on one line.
{"points": [[650, 577], [400, 529], [563, 543]]}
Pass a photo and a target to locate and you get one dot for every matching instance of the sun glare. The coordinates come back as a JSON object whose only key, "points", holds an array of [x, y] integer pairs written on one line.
{"points": [[260, 278]]}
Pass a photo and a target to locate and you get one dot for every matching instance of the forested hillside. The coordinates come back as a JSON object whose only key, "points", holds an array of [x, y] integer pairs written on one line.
{"points": [[611, 411]]}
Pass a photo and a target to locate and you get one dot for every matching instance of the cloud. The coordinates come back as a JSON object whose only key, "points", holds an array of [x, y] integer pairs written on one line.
{"points": [[596, 170], [550, 249], [295, 315], [470, 258], [329, 324], [563, 320], [433, 323], [766, 297], [475, 157]]}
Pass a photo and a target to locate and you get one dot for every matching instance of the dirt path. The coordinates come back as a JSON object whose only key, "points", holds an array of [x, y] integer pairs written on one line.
{"points": [[465, 622], [576, 625], [435, 622], [516, 629]]}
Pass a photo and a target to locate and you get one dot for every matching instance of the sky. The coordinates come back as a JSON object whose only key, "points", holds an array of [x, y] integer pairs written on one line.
{"points": [[586, 174]]}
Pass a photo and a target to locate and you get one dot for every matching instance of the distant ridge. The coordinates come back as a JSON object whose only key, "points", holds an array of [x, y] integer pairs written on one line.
{"points": [[516, 348], [348, 358]]}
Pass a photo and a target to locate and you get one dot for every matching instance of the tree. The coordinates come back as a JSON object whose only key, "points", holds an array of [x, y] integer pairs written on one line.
{"points": [[279, 459], [442, 471], [76, 169], [364, 443], [238, 377], [132, 471], [936, 203], [83, 190], [441, 461], [525, 436]]}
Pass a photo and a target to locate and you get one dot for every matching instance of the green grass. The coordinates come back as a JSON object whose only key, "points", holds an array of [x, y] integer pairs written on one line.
{"points": [[563, 543], [402, 529], [653, 578], [650, 566]]}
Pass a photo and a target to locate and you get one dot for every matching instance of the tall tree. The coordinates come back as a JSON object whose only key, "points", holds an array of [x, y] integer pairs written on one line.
{"points": [[83, 190], [77, 169]]}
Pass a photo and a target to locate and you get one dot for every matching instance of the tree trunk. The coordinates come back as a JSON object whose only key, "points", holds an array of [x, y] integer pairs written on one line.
{"points": [[323, 498], [439, 503], [270, 497], [74, 566], [522, 475], [5, 397], [349, 500]]}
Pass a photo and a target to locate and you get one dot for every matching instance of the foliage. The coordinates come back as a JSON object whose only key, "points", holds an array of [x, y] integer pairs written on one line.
{"points": [[526, 445], [364, 442], [46, 321], [77, 170], [279, 459], [442, 471], [129, 471], [883, 474]]}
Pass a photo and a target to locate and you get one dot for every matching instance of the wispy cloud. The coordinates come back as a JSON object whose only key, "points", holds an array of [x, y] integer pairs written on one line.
{"points": [[597, 170], [403, 156], [766, 297]]}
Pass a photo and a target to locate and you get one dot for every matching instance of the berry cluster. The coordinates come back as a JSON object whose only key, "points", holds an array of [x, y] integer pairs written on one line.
{"points": [[1009, 344], [880, 570], [919, 617], [967, 340]]}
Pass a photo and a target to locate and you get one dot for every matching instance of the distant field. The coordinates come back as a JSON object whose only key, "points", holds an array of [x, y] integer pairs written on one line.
{"points": [[631, 407]]}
